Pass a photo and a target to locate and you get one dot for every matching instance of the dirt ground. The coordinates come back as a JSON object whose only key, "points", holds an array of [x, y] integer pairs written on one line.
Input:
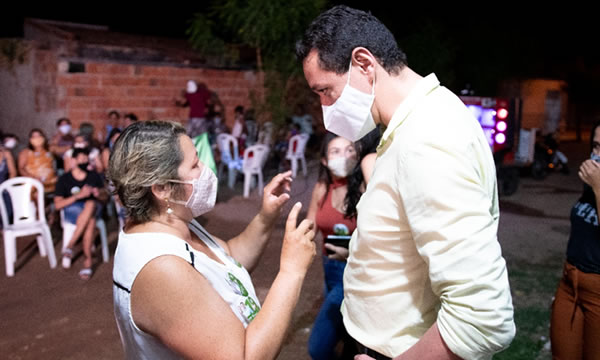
{"points": [[50, 313]]}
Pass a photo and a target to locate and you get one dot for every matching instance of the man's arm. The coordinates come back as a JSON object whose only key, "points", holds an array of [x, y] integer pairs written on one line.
{"points": [[451, 205], [431, 347]]}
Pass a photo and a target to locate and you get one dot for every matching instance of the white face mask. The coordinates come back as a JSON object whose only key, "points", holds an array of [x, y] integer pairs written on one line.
{"points": [[191, 87], [10, 143], [78, 145], [64, 129], [341, 166], [350, 116], [204, 192]]}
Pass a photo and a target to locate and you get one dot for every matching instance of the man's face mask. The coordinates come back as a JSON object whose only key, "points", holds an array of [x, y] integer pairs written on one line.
{"points": [[350, 116]]}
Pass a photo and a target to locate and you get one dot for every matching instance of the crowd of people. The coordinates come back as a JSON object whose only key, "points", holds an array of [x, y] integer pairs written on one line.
{"points": [[404, 214]]}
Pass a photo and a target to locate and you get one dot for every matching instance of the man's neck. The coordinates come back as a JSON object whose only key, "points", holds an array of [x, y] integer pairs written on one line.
{"points": [[392, 90]]}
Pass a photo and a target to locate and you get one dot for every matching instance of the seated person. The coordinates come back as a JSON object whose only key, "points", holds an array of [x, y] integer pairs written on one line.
{"points": [[95, 160], [37, 162], [80, 193], [62, 140]]}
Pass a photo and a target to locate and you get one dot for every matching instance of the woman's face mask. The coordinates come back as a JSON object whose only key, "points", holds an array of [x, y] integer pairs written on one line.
{"points": [[341, 166], [64, 129], [10, 143], [204, 192]]}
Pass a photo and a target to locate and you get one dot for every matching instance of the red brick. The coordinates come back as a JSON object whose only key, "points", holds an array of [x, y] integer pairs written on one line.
{"points": [[156, 71], [109, 69], [80, 103], [161, 103], [77, 79], [122, 81], [77, 116]]}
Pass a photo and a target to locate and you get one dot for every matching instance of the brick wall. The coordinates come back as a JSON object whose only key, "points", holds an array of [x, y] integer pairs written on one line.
{"points": [[147, 91]]}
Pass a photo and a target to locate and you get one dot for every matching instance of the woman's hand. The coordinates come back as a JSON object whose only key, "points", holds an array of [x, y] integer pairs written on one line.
{"points": [[275, 195], [339, 253], [589, 172], [298, 248]]}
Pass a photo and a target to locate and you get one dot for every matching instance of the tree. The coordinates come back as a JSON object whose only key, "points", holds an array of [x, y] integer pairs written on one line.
{"points": [[271, 28]]}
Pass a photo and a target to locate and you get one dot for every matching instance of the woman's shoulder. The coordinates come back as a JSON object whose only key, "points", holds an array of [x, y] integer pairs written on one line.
{"points": [[320, 188]]}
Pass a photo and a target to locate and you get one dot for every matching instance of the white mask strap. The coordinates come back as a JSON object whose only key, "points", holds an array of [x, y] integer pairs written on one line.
{"points": [[350, 71]]}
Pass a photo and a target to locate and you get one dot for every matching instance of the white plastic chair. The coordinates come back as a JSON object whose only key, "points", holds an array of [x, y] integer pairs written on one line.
{"points": [[25, 221], [228, 147], [69, 229], [255, 157], [295, 152]]}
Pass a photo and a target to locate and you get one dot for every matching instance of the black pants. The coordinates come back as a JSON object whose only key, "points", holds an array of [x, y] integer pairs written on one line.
{"points": [[372, 353]]}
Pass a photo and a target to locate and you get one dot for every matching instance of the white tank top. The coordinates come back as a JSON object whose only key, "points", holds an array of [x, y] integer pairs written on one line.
{"points": [[134, 251]]}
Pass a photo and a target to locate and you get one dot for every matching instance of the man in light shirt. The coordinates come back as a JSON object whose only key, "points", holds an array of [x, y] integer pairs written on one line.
{"points": [[425, 278]]}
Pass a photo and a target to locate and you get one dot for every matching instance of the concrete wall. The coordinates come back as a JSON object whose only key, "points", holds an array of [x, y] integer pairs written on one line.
{"points": [[534, 93], [27, 95]]}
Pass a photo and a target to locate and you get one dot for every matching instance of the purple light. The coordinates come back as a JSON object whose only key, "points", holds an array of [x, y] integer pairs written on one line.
{"points": [[500, 138], [501, 126]]}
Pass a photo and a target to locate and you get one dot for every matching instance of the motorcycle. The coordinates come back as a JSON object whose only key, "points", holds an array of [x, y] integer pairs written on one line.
{"points": [[547, 158]]}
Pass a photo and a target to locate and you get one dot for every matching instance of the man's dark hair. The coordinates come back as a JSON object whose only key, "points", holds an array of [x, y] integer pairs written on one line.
{"points": [[239, 109], [77, 151], [114, 112], [341, 29], [63, 119], [131, 116]]}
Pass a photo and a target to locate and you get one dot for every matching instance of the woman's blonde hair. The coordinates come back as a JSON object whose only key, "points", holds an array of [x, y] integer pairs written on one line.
{"points": [[147, 153]]}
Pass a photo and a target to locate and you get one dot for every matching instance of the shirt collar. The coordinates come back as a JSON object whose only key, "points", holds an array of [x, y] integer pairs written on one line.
{"points": [[423, 88]]}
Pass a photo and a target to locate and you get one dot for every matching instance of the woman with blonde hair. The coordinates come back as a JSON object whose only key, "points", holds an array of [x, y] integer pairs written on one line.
{"points": [[167, 309]]}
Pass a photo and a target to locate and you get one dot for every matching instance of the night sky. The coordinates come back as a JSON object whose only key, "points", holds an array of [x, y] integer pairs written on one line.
{"points": [[476, 44]]}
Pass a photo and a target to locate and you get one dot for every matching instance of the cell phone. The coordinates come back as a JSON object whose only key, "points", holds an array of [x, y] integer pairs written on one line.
{"points": [[337, 240]]}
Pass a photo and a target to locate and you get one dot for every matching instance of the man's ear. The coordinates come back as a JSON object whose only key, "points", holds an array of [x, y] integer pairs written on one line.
{"points": [[363, 58]]}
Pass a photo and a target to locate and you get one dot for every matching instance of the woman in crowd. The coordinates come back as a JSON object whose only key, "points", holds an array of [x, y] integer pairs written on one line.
{"points": [[36, 161], [166, 308], [575, 324], [95, 161], [333, 209]]}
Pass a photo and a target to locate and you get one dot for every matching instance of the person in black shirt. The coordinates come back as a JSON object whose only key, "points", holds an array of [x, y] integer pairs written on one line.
{"points": [[80, 194], [575, 324]]}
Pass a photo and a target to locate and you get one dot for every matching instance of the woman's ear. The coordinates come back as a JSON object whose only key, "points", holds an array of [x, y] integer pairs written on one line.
{"points": [[324, 161], [161, 192]]}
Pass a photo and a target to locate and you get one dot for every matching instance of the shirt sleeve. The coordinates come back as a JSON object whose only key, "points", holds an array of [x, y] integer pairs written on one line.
{"points": [[453, 219], [61, 187]]}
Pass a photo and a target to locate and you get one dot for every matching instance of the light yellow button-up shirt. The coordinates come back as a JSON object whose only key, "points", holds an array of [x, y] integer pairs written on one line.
{"points": [[425, 247]]}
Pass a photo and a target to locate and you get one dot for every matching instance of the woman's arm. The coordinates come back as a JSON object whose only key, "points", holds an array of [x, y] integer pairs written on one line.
{"points": [[175, 303], [316, 199], [23, 163], [105, 158], [248, 246], [10, 163], [68, 161], [589, 173], [62, 202]]}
